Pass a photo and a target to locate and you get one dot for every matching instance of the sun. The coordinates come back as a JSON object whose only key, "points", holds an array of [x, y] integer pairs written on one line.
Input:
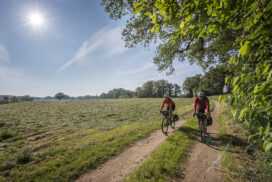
{"points": [[36, 19]]}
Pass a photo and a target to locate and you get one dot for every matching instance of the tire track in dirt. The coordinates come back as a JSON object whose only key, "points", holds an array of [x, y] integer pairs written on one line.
{"points": [[204, 155], [118, 168]]}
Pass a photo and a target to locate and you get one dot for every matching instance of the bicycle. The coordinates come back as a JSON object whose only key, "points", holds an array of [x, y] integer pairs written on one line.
{"points": [[202, 122], [167, 121]]}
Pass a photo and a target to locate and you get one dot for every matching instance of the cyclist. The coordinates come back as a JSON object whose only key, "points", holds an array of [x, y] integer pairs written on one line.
{"points": [[200, 103], [170, 104]]}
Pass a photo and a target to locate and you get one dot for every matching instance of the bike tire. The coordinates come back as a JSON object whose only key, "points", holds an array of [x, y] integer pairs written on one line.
{"points": [[204, 129], [205, 126], [201, 130], [164, 125], [173, 123]]}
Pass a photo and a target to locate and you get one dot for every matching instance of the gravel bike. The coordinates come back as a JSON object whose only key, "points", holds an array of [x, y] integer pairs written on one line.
{"points": [[167, 121], [202, 122]]}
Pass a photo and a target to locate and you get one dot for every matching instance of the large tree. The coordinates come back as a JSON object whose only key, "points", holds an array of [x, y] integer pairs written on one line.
{"points": [[177, 90], [191, 85], [213, 82], [60, 96]]}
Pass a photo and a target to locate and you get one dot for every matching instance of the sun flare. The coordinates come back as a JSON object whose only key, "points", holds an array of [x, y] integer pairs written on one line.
{"points": [[36, 19]]}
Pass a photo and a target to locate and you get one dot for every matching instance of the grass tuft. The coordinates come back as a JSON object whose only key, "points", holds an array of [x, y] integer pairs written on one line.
{"points": [[24, 157], [6, 134]]}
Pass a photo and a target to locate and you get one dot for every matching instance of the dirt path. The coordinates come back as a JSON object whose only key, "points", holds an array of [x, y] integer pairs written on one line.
{"points": [[204, 155], [119, 167]]}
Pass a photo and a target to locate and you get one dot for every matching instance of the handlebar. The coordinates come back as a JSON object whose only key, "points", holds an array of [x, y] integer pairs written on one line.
{"points": [[165, 113]]}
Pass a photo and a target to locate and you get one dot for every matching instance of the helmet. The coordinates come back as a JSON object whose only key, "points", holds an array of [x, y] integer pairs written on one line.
{"points": [[200, 94], [166, 95]]}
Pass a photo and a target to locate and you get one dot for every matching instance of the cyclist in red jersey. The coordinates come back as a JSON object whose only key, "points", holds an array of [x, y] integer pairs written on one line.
{"points": [[201, 103], [170, 104]]}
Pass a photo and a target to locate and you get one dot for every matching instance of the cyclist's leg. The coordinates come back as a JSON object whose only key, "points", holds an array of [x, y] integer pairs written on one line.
{"points": [[173, 109], [168, 109]]}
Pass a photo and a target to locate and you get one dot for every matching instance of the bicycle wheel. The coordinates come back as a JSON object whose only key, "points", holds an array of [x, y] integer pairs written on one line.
{"points": [[201, 130], [164, 125], [205, 126], [204, 129], [173, 123]]}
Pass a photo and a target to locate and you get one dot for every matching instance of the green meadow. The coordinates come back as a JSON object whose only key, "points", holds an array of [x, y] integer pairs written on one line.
{"points": [[60, 140]]}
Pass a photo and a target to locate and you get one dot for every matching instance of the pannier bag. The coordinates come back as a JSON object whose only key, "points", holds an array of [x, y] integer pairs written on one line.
{"points": [[209, 121], [175, 117]]}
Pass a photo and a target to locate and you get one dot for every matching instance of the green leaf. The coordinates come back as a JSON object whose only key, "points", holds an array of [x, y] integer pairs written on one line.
{"points": [[266, 69], [226, 80], [135, 12], [242, 113], [261, 130], [269, 75], [232, 59], [268, 147], [267, 129], [245, 48], [235, 89], [220, 97], [158, 27], [265, 143], [135, 5], [148, 14], [253, 137], [152, 29], [155, 18], [182, 24]]}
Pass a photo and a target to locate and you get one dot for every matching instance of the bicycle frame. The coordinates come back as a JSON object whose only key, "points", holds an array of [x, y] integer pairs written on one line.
{"points": [[202, 117]]}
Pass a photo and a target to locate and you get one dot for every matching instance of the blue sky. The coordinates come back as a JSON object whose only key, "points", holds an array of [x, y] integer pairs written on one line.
{"points": [[78, 50]]}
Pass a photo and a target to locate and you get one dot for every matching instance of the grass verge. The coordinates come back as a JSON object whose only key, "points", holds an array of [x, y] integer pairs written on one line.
{"points": [[241, 162]]}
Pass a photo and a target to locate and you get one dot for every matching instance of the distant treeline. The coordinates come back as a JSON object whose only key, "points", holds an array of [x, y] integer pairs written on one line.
{"points": [[212, 83], [150, 89], [5, 99]]}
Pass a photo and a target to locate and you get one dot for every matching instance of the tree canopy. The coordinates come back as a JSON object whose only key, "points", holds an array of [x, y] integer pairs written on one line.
{"points": [[158, 89], [163, 21]]}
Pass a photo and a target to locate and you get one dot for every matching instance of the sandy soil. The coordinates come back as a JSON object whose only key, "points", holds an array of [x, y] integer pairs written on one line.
{"points": [[204, 156], [119, 167]]}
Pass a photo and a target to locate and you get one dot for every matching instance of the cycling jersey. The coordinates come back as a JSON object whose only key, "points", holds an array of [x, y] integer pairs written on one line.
{"points": [[169, 102], [201, 104]]}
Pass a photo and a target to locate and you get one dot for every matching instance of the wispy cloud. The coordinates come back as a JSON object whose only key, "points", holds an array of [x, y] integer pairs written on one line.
{"points": [[134, 71], [4, 54], [108, 39]]}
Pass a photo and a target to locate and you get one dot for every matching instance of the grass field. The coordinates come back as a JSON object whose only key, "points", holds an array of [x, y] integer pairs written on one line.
{"points": [[60, 140]]}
